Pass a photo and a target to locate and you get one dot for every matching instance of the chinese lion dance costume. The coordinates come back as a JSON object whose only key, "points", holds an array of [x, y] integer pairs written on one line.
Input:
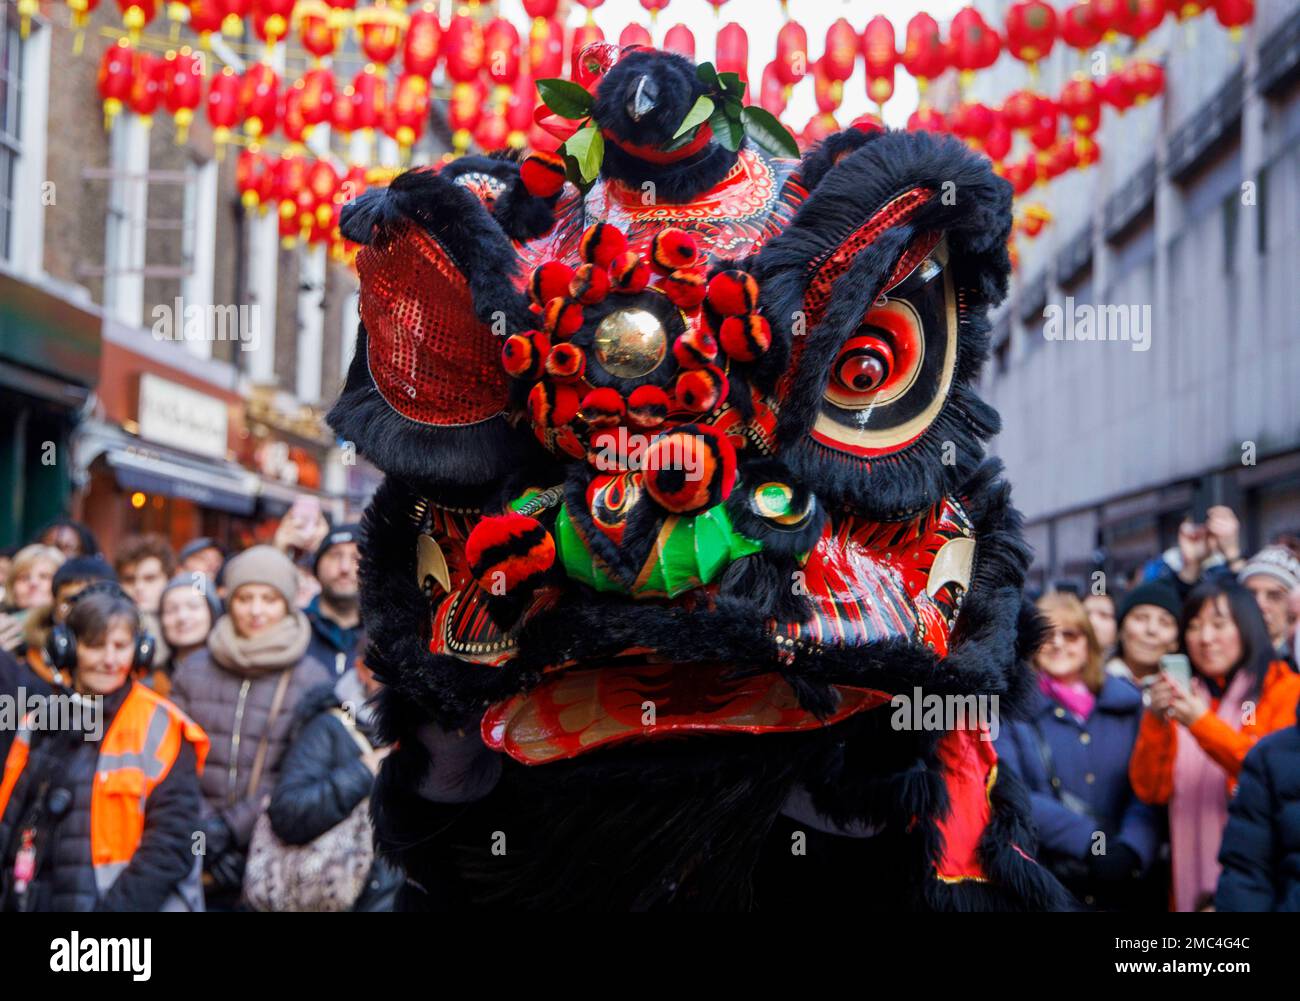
{"points": [[684, 481]]}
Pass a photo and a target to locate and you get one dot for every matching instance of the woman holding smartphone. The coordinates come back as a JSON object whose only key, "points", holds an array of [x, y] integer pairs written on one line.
{"points": [[1197, 729]]}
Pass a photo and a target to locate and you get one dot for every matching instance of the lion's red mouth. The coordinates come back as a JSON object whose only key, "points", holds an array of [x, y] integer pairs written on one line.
{"points": [[581, 709]]}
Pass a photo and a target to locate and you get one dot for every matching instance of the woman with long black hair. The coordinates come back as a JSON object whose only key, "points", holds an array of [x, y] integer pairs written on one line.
{"points": [[1195, 736]]}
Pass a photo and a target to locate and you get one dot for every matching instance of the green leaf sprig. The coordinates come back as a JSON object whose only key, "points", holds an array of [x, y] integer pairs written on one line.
{"points": [[722, 107]]}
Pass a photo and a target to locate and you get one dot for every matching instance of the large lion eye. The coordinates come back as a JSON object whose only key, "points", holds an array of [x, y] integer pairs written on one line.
{"points": [[891, 377]]}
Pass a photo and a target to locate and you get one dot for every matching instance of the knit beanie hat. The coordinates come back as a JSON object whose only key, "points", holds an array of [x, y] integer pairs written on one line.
{"points": [[263, 565], [337, 537], [1277, 562], [201, 583], [1152, 592]]}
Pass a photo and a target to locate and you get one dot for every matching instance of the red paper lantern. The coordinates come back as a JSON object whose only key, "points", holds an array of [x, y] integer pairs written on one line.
{"points": [[924, 54], [259, 97], [878, 53], [492, 131], [1145, 80], [315, 28], [1081, 103], [997, 144], [205, 18], [1022, 174], [1185, 10], [828, 93], [182, 89], [635, 34], [732, 55], [772, 91], [271, 19], [1044, 131], [379, 30], [463, 111], [136, 14], [423, 41], [1117, 91], [293, 123], [1023, 108], [841, 51], [369, 99], [1079, 27], [318, 96], [254, 178], [1084, 151], [972, 44], [927, 119], [147, 73], [1144, 17], [114, 79], [818, 128], [1234, 15], [343, 115], [232, 22], [519, 111], [409, 111], [654, 7], [290, 179], [501, 45], [1111, 16], [679, 39], [792, 53], [545, 49], [223, 105], [972, 120], [541, 8], [1031, 30], [583, 36]]}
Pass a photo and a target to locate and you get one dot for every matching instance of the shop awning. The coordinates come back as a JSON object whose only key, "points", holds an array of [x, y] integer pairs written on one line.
{"points": [[208, 485]]}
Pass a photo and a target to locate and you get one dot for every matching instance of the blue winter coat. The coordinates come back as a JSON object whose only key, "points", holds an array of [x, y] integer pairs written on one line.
{"points": [[1260, 854], [1091, 761]]}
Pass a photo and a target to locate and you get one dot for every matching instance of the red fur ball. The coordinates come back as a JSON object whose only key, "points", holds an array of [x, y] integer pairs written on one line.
{"points": [[685, 288], [699, 390], [519, 356], [563, 318], [647, 407], [628, 272], [552, 404], [695, 348], [542, 174], [565, 362], [744, 338], [601, 244], [690, 470], [673, 248], [590, 284], [509, 552], [603, 407], [549, 280], [733, 292]]}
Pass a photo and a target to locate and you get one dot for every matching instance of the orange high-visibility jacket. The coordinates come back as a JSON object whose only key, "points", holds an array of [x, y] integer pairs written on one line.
{"points": [[137, 752]]}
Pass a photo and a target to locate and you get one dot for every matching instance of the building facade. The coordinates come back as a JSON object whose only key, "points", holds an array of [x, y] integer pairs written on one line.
{"points": [[1181, 248]]}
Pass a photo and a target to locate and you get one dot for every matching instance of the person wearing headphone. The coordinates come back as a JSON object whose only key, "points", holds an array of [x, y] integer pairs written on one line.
{"points": [[100, 794]]}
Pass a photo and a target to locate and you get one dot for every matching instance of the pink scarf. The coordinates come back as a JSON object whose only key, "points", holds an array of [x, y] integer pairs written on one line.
{"points": [[1073, 695], [1198, 807]]}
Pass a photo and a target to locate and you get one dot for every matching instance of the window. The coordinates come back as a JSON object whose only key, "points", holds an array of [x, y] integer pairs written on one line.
{"points": [[11, 74]]}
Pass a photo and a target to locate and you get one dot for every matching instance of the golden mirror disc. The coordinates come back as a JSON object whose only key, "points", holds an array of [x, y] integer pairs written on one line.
{"points": [[630, 343]]}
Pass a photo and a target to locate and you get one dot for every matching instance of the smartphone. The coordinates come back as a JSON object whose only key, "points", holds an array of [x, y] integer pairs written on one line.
{"points": [[1179, 668]]}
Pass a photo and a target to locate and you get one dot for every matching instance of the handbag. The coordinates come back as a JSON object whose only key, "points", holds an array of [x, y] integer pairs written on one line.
{"points": [[326, 874]]}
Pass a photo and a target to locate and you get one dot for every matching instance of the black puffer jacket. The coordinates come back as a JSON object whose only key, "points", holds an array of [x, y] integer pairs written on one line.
{"points": [[65, 880], [322, 779], [1260, 852]]}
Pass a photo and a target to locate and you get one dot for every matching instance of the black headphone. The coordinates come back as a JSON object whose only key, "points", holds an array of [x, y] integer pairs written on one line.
{"points": [[61, 646]]}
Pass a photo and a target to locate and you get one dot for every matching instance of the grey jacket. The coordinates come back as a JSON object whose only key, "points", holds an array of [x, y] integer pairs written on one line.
{"points": [[233, 710]]}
